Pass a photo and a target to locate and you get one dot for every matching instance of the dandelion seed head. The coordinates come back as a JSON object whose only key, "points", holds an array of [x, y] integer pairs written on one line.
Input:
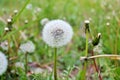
{"points": [[37, 10], [27, 47], [107, 23], [4, 45], [6, 29], [29, 6], [19, 65], [99, 34], [9, 20], [37, 71], [44, 21], [98, 48], [57, 33], [3, 63], [26, 21], [15, 11], [87, 21]]}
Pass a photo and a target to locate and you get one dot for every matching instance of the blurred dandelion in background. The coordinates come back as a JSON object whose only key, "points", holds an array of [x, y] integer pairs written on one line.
{"points": [[27, 47], [44, 21], [3, 63], [29, 6], [57, 33], [98, 48], [4, 45], [19, 65]]}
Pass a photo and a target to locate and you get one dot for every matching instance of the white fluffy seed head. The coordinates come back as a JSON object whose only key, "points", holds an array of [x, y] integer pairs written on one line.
{"points": [[4, 45], [98, 48], [44, 21], [57, 33], [28, 47], [3, 63], [19, 64]]}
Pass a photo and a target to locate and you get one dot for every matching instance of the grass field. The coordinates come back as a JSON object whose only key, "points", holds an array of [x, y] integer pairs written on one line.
{"points": [[25, 26]]}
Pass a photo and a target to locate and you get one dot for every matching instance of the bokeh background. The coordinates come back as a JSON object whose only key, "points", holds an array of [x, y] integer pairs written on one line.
{"points": [[104, 16]]}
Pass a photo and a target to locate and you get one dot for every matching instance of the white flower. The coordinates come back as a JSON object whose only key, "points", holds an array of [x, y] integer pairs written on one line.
{"points": [[44, 21], [28, 47], [19, 64], [57, 33], [3, 63]]}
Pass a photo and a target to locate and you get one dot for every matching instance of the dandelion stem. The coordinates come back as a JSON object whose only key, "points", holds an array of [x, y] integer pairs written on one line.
{"points": [[96, 67], [55, 64], [86, 53], [26, 63], [86, 50]]}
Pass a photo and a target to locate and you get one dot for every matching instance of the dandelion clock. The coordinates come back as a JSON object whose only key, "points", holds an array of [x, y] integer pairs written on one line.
{"points": [[27, 47], [3, 63], [57, 33]]}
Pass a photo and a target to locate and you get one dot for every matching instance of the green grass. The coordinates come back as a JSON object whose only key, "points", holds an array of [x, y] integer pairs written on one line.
{"points": [[74, 12]]}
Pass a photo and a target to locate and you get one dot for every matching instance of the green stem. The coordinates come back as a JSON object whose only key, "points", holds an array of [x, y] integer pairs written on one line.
{"points": [[86, 50], [17, 16], [26, 63], [86, 54], [55, 64]]}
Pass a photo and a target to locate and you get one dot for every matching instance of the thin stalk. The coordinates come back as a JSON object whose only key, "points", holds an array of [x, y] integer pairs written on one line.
{"points": [[86, 54], [9, 50], [55, 64], [96, 67], [116, 45], [26, 63], [86, 49], [117, 57]]}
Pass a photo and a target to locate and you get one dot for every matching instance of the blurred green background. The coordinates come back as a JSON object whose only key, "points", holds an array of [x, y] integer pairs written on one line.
{"points": [[104, 16]]}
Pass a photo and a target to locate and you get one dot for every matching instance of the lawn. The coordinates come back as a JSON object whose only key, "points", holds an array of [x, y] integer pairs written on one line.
{"points": [[91, 52]]}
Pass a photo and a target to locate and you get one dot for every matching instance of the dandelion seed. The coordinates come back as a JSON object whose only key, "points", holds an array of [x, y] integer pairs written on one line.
{"points": [[3, 63], [27, 47], [57, 33], [44, 21]]}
